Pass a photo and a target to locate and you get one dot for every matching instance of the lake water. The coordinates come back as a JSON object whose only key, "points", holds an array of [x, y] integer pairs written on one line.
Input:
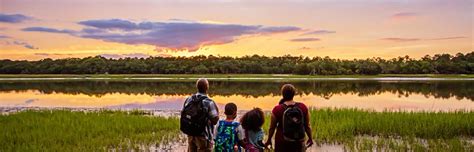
{"points": [[379, 95]]}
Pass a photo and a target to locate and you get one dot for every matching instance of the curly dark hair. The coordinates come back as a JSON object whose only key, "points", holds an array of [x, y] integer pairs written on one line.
{"points": [[253, 120]]}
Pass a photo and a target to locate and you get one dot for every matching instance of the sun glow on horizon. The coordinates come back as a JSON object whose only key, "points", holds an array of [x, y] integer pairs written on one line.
{"points": [[310, 28]]}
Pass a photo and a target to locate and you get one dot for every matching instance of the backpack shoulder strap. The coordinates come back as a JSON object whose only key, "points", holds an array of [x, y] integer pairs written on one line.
{"points": [[221, 122], [297, 104], [197, 97], [284, 106], [235, 123]]}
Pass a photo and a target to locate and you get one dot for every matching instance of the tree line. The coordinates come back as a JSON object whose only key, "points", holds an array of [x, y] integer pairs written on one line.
{"points": [[255, 64]]}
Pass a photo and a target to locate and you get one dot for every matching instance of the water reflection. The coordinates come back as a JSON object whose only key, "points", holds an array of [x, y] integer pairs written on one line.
{"points": [[326, 89], [378, 95]]}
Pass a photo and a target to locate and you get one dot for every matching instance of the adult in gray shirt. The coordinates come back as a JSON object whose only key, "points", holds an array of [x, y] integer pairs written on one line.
{"points": [[204, 143]]}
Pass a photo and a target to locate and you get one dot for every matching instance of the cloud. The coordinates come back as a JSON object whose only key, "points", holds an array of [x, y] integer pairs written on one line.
{"points": [[4, 37], [319, 32], [113, 24], [52, 54], [42, 54], [394, 39], [171, 35], [45, 29], [13, 18], [304, 48], [25, 44], [131, 55], [11, 41], [448, 38], [404, 16], [305, 39]]}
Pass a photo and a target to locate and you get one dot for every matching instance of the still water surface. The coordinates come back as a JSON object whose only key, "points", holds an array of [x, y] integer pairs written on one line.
{"points": [[169, 95]]}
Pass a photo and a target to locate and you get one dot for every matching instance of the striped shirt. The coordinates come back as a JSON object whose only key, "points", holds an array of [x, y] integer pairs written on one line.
{"points": [[212, 113]]}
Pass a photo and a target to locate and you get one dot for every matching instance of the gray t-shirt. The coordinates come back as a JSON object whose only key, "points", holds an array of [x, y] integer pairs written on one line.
{"points": [[209, 130], [255, 137]]}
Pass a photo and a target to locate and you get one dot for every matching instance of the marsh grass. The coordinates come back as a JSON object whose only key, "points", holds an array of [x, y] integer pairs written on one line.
{"points": [[356, 130], [79, 131], [363, 130], [369, 130]]}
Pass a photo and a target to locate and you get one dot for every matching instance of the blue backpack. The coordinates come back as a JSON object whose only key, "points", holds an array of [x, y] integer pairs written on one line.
{"points": [[226, 136]]}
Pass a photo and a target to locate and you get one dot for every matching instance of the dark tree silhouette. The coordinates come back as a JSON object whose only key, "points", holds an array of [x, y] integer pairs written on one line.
{"points": [[437, 64]]}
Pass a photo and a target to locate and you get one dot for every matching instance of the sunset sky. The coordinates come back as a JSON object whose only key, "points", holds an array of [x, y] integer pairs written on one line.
{"points": [[36, 29]]}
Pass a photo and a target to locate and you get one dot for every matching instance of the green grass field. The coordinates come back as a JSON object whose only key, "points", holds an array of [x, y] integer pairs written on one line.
{"points": [[355, 129], [79, 131], [401, 131]]}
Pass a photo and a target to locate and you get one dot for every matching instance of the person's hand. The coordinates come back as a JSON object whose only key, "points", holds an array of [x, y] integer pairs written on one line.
{"points": [[309, 143], [268, 143]]}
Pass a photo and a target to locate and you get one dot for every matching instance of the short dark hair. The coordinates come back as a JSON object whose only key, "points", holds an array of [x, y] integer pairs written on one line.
{"points": [[288, 91], [230, 109], [253, 120], [202, 85]]}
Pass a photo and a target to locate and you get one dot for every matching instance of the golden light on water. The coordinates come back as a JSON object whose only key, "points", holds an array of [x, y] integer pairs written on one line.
{"points": [[379, 102]]}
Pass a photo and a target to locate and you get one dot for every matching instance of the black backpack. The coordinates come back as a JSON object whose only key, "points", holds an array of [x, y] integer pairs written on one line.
{"points": [[293, 123], [194, 118]]}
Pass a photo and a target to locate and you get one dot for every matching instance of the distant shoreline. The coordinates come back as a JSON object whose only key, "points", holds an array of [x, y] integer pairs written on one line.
{"points": [[237, 77]]}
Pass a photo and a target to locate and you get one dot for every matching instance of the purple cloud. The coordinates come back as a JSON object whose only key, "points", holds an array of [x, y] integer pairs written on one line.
{"points": [[393, 39], [174, 35], [14, 18], [305, 39], [45, 29], [52, 54], [111, 24], [25, 44], [4, 37], [131, 55], [403, 16], [11, 41], [319, 32]]}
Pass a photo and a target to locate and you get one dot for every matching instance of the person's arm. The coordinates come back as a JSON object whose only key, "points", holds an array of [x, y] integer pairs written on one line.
{"points": [[308, 130], [241, 136], [271, 131], [215, 131], [260, 135], [213, 113]]}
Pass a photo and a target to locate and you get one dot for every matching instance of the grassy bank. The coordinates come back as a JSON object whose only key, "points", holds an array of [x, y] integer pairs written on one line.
{"points": [[79, 131], [361, 130], [122, 76], [364, 130], [355, 129]]}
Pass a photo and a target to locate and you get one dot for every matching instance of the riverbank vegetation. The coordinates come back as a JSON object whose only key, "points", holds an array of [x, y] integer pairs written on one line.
{"points": [[401, 131], [352, 128], [438, 64], [84, 131]]}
